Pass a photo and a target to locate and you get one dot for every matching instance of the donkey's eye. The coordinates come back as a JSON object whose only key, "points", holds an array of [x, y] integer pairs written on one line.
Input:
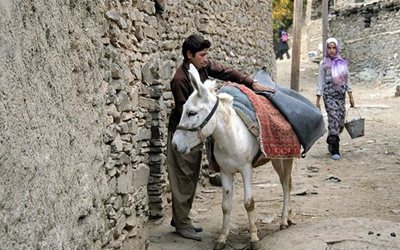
{"points": [[191, 113]]}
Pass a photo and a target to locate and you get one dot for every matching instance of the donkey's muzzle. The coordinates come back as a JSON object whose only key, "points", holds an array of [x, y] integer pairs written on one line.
{"points": [[179, 149]]}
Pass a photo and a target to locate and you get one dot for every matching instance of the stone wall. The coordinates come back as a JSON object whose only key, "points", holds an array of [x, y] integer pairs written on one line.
{"points": [[84, 102], [312, 31], [353, 3], [370, 44], [314, 9]]}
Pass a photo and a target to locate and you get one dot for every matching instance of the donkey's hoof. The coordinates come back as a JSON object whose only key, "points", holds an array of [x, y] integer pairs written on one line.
{"points": [[254, 245], [219, 245], [282, 227]]}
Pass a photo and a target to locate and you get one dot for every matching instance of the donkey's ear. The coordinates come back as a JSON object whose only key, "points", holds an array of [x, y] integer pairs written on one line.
{"points": [[195, 80]]}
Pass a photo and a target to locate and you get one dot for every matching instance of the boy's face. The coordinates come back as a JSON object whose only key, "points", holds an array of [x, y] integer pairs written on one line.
{"points": [[332, 49], [199, 59]]}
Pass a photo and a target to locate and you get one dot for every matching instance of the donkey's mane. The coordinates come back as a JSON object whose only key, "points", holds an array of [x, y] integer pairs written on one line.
{"points": [[225, 98], [226, 101]]}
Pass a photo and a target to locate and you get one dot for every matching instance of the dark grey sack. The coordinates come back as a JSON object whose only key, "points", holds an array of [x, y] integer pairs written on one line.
{"points": [[306, 119]]}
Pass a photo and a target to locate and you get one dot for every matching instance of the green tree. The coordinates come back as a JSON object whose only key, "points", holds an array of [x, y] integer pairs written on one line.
{"points": [[282, 14]]}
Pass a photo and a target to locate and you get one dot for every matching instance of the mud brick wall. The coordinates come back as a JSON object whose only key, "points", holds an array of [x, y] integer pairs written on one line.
{"points": [[84, 105]]}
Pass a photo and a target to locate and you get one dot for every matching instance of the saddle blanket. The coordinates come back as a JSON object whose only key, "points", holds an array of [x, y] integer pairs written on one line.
{"points": [[276, 136]]}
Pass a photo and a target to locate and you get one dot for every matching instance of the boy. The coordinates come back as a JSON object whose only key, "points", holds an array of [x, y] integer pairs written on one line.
{"points": [[183, 170]]}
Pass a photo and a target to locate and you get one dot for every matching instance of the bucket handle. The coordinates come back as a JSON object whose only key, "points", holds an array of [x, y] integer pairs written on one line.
{"points": [[358, 112]]}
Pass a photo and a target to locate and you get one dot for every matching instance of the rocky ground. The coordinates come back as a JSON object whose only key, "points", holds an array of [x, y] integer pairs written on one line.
{"points": [[353, 203]]}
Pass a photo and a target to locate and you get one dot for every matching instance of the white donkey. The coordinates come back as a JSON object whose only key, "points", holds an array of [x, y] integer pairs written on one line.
{"points": [[207, 114]]}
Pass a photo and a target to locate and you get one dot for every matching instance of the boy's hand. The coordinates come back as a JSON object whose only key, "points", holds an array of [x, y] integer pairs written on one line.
{"points": [[258, 87]]}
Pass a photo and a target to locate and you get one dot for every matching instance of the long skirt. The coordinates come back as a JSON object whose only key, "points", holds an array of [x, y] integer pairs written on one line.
{"points": [[334, 100]]}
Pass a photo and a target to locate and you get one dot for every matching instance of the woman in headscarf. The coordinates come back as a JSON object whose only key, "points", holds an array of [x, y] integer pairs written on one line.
{"points": [[333, 83]]}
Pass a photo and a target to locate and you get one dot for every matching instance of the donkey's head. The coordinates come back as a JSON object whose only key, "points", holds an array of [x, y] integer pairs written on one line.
{"points": [[198, 120]]}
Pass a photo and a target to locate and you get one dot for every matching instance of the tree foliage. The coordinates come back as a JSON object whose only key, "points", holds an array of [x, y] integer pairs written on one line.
{"points": [[282, 14]]}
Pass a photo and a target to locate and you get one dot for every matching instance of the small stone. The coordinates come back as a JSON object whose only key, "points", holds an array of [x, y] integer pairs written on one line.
{"points": [[393, 234], [333, 178], [370, 232], [302, 191], [378, 234], [395, 211], [112, 15], [312, 169]]}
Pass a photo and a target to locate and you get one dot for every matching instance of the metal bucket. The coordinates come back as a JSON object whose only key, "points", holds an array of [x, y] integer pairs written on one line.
{"points": [[355, 127]]}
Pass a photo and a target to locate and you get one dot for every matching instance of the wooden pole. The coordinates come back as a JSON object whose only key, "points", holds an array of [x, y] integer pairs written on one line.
{"points": [[296, 45], [325, 13]]}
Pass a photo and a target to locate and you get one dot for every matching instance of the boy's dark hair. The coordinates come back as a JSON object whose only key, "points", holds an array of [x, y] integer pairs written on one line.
{"points": [[194, 43]]}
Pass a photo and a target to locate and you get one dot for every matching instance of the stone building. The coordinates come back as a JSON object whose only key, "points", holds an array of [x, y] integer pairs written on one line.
{"points": [[370, 43], [84, 102], [368, 32]]}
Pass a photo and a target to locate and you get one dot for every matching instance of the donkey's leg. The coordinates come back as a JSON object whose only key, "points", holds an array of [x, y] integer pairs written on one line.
{"points": [[284, 170], [227, 188], [247, 175], [287, 167]]}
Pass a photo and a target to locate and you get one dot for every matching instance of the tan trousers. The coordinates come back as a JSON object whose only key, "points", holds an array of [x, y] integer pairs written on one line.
{"points": [[183, 174]]}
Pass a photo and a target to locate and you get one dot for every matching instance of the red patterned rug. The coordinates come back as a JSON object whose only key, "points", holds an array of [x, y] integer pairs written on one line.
{"points": [[277, 137]]}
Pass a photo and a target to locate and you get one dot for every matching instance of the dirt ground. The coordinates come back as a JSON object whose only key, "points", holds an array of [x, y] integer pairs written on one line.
{"points": [[353, 203]]}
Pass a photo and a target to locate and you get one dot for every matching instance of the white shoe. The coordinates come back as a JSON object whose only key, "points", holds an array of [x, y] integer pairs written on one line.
{"points": [[336, 157]]}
